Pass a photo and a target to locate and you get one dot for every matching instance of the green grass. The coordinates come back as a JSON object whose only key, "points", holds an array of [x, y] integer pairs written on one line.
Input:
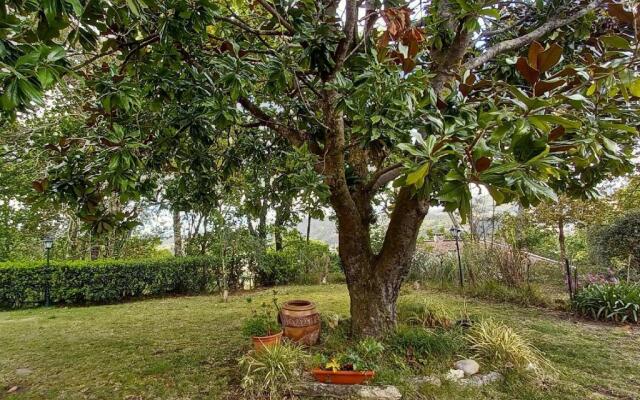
{"points": [[187, 348]]}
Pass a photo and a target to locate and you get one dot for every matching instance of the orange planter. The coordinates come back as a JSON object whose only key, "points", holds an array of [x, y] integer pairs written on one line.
{"points": [[342, 377], [262, 342]]}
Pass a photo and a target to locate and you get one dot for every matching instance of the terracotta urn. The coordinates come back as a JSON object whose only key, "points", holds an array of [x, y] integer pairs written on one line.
{"points": [[301, 321]]}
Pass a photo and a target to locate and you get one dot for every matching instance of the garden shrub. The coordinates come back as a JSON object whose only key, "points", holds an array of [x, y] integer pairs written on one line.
{"points": [[608, 301], [105, 281], [276, 269], [299, 262]]}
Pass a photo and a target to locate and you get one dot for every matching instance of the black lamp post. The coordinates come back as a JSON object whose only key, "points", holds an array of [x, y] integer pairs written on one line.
{"points": [[47, 242], [455, 231]]}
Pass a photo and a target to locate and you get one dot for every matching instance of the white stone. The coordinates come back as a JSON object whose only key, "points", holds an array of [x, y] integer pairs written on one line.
{"points": [[469, 366], [482, 379], [362, 392], [425, 380], [455, 374]]}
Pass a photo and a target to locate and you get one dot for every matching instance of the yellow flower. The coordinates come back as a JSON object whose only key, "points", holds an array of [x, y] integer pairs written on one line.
{"points": [[333, 365]]}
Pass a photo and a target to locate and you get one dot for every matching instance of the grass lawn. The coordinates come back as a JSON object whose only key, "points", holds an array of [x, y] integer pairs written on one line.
{"points": [[187, 348]]}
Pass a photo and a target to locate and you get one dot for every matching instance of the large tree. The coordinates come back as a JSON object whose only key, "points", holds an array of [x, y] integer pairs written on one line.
{"points": [[433, 96]]}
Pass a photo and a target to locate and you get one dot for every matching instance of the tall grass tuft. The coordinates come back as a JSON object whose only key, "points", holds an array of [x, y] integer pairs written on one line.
{"points": [[273, 372], [504, 347]]}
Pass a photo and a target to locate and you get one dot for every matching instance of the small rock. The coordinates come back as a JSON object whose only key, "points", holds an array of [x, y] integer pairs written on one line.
{"points": [[416, 285], [481, 380], [23, 371], [469, 366], [425, 380], [455, 374], [363, 392], [373, 392], [13, 389]]}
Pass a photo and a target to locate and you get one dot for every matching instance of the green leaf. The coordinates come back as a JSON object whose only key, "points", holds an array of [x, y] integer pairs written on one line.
{"points": [[417, 177], [490, 12], [133, 6], [46, 77], [615, 42], [541, 120], [634, 88]]}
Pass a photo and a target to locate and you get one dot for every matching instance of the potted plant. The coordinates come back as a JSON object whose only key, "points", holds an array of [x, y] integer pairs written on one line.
{"points": [[262, 327], [353, 367]]}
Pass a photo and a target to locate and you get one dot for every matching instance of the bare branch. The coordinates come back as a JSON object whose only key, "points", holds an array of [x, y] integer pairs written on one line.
{"points": [[549, 26]]}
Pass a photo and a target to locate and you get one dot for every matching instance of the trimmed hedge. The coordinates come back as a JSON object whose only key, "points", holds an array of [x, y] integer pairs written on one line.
{"points": [[105, 281]]}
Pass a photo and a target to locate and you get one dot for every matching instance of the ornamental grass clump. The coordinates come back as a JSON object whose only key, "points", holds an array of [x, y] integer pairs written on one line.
{"points": [[609, 302], [502, 346], [272, 373]]}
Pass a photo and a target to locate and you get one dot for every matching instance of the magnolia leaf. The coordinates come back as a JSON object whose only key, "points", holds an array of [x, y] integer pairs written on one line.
{"points": [[549, 58], [592, 89], [530, 74], [545, 86], [535, 49], [634, 88], [417, 177], [483, 163], [615, 42], [556, 120]]}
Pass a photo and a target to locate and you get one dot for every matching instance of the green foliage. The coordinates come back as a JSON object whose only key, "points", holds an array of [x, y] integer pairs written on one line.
{"points": [[425, 343], [262, 321], [104, 281], [526, 295], [504, 347], [272, 372], [299, 262], [426, 314], [365, 355], [619, 241], [619, 302]]}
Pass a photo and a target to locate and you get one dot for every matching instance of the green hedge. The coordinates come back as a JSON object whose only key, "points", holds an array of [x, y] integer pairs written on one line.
{"points": [[105, 281]]}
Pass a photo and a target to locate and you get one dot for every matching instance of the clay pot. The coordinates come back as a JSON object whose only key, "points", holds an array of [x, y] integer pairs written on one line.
{"points": [[301, 321], [342, 377], [262, 342]]}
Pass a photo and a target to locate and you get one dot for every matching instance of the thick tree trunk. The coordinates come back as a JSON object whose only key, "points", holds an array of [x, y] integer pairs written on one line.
{"points": [[374, 281], [177, 234]]}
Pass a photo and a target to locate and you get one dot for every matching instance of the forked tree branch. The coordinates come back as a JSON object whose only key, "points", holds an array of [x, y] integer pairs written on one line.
{"points": [[272, 10], [384, 176], [547, 27], [294, 136]]}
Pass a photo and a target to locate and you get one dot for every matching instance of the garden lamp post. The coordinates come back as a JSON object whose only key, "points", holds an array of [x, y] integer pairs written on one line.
{"points": [[47, 242], [455, 231]]}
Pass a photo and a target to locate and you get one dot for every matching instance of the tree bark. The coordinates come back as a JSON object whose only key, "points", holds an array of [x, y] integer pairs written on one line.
{"points": [[561, 240], [177, 234], [308, 227]]}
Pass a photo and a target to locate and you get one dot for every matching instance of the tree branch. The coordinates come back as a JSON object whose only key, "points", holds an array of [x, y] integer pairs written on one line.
{"points": [[295, 137], [288, 26], [549, 26], [384, 176], [340, 55]]}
